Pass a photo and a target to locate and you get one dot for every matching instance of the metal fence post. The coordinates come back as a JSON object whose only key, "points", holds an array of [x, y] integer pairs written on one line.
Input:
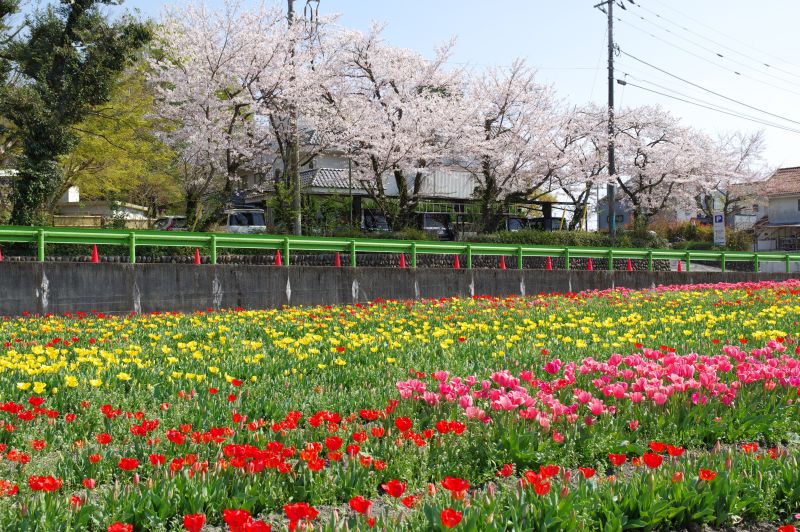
{"points": [[688, 261], [519, 257], [722, 262], [566, 258], [413, 254], [132, 247], [469, 257], [352, 253], [213, 249], [788, 264], [755, 263], [40, 245], [649, 260], [286, 251], [610, 259]]}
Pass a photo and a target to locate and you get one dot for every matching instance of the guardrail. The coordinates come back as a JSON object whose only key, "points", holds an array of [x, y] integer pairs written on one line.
{"points": [[212, 242]]}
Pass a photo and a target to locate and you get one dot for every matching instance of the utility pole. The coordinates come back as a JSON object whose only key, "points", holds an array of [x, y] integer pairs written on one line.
{"points": [[293, 170], [612, 168]]}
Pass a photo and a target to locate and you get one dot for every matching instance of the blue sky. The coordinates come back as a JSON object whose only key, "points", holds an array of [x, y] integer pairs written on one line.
{"points": [[565, 39]]}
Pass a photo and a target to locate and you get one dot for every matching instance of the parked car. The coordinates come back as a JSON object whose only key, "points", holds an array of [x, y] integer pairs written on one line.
{"points": [[374, 222], [244, 221], [439, 225], [514, 224], [171, 223]]}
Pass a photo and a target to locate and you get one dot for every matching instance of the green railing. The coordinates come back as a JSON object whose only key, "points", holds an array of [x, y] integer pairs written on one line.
{"points": [[213, 242]]}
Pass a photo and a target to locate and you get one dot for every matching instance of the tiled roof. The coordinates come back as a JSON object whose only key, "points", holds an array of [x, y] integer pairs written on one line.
{"points": [[783, 181], [328, 178], [333, 178]]}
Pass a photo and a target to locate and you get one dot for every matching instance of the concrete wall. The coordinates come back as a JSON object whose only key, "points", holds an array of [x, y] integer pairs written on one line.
{"points": [[122, 288]]}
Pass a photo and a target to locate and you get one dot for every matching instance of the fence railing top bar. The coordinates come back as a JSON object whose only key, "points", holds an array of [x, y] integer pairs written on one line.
{"points": [[55, 235]]}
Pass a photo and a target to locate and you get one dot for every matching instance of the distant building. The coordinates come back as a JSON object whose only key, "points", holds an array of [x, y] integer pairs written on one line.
{"points": [[71, 211], [780, 229]]}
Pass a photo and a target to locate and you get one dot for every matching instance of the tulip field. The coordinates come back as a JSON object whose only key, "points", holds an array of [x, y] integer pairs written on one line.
{"points": [[659, 409]]}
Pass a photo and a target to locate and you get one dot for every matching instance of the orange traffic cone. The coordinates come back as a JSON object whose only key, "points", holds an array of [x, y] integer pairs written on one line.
{"points": [[337, 261], [95, 256], [680, 266], [197, 256], [549, 265], [278, 261], [589, 265], [456, 263], [502, 262], [630, 266], [402, 260]]}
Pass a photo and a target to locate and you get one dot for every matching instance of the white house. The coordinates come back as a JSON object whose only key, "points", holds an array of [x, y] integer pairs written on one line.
{"points": [[70, 210]]}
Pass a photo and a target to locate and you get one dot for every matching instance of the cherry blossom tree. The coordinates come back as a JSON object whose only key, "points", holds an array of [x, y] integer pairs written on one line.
{"points": [[580, 164], [225, 80], [511, 147], [661, 163], [404, 114], [741, 164]]}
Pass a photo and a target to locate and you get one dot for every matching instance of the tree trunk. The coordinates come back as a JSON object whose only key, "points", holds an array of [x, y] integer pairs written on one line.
{"points": [[192, 210]]}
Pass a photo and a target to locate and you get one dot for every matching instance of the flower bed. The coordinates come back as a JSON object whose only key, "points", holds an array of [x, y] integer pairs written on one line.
{"points": [[616, 410]]}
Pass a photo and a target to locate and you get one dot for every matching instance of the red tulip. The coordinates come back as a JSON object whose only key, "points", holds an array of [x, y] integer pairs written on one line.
{"points": [[548, 471], [236, 519], [360, 505], [410, 500], [395, 488], [455, 484], [297, 512], [128, 464], [89, 483], [506, 470], [588, 472], [675, 451], [707, 475], [333, 443], [403, 424], [257, 526], [542, 488], [450, 517], [103, 439], [616, 459], [44, 483], [652, 460], [120, 527], [657, 446], [194, 522]]}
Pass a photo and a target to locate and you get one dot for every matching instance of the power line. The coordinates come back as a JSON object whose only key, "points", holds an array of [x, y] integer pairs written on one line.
{"points": [[717, 53], [715, 30], [623, 82], [705, 103], [689, 52], [707, 90]]}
